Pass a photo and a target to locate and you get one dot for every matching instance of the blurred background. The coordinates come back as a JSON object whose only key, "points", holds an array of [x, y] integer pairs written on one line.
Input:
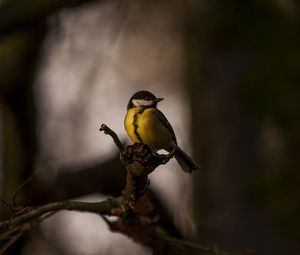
{"points": [[229, 72]]}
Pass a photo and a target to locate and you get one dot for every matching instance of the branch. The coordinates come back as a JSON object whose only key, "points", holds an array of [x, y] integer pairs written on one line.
{"points": [[205, 249], [103, 207], [114, 136], [146, 232], [140, 161], [143, 230], [136, 216], [11, 230], [18, 189]]}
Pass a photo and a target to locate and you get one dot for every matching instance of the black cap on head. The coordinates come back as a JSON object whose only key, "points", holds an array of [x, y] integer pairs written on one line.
{"points": [[142, 94]]}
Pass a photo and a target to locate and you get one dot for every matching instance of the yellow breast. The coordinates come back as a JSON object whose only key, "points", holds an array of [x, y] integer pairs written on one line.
{"points": [[128, 123], [148, 128]]}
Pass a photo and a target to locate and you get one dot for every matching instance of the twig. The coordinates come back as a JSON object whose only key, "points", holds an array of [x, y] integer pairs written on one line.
{"points": [[8, 233], [18, 189], [14, 228], [103, 207], [179, 242], [6, 204], [10, 242], [140, 161], [114, 136], [206, 249]]}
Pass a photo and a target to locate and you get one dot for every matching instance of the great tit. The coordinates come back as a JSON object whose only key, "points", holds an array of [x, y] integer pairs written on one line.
{"points": [[146, 124]]}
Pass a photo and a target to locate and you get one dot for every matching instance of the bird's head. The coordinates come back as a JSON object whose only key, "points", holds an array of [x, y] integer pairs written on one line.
{"points": [[143, 99]]}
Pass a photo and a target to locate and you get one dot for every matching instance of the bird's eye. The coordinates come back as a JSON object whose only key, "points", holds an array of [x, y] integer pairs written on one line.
{"points": [[147, 98]]}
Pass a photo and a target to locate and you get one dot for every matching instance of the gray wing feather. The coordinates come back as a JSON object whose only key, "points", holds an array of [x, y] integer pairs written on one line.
{"points": [[185, 161], [166, 123]]}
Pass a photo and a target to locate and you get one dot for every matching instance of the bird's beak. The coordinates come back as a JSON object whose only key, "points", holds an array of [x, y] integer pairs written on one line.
{"points": [[158, 100]]}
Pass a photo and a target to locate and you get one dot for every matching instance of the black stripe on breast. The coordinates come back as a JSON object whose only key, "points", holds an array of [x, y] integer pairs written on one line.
{"points": [[135, 119]]}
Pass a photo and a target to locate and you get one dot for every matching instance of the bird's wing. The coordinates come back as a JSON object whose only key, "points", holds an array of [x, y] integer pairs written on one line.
{"points": [[166, 123]]}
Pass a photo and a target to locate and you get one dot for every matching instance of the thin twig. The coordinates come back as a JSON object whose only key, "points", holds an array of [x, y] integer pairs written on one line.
{"points": [[8, 233], [103, 207], [14, 228], [10, 242], [18, 189], [114, 136], [141, 162], [6, 204], [20, 230], [46, 216], [206, 249]]}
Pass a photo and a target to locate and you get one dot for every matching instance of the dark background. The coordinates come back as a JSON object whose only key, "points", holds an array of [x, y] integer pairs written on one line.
{"points": [[238, 76]]}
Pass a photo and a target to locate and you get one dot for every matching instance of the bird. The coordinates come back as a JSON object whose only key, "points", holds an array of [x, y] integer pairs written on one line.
{"points": [[144, 123]]}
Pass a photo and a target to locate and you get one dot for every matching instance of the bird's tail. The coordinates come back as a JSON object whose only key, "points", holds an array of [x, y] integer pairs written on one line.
{"points": [[186, 163]]}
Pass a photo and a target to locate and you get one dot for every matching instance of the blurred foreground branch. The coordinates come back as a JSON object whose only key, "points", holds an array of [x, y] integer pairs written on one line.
{"points": [[136, 216], [143, 230]]}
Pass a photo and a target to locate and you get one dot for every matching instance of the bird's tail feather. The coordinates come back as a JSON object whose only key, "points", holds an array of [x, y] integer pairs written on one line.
{"points": [[186, 163]]}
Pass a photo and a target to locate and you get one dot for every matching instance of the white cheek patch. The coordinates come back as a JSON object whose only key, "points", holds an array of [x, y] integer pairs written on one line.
{"points": [[141, 102]]}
